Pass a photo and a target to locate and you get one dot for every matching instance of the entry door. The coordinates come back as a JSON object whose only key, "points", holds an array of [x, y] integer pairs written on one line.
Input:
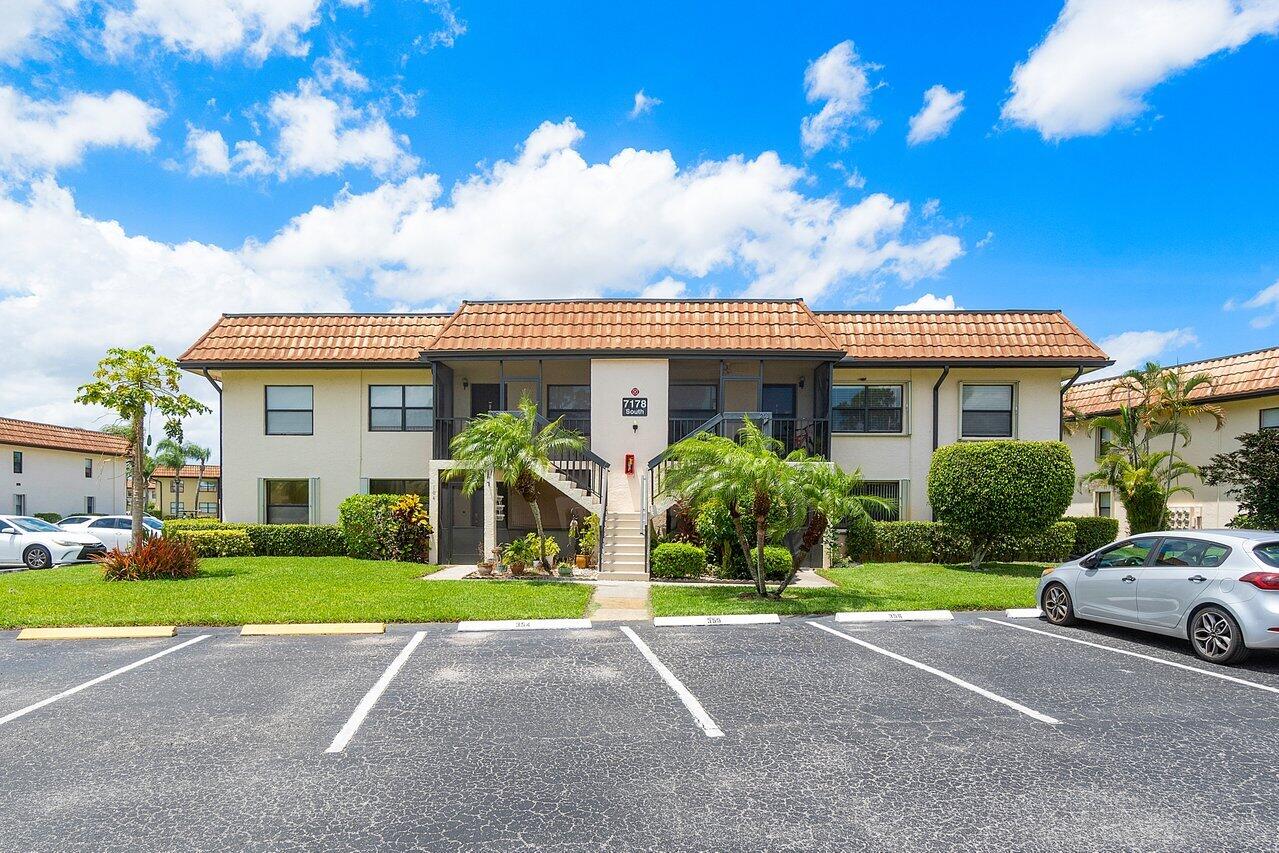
{"points": [[485, 397], [1108, 590], [780, 401], [1181, 571]]}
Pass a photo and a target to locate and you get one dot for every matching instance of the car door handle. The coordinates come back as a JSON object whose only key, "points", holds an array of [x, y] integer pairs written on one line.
{"points": [[1129, 579], [1197, 579]]}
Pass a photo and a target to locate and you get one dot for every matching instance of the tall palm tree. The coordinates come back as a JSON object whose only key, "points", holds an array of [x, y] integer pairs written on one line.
{"points": [[1172, 405], [516, 447], [170, 454]]}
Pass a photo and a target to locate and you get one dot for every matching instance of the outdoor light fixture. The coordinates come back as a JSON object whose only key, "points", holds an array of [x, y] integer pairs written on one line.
{"points": [[466, 383]]}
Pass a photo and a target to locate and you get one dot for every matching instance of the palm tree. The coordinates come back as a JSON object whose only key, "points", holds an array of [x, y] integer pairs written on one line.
{"points": [[515, 446], [1172, 406]]}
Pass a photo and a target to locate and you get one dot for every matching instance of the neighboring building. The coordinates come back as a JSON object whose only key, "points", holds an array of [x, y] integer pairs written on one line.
{"points": [[48, 468], [187, 493], [1245, 386], [315, 407]]}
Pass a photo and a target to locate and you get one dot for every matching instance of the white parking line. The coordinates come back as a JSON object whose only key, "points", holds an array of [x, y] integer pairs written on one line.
{"points": [[704, 721], [1152, 658], [375, 692], [101, 678], [980, 691]]}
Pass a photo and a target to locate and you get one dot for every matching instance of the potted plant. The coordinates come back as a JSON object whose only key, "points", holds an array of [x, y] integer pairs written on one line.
{"points": [[588, 538], [518, 554], [551, 549], [564, 570], [484, 567]]}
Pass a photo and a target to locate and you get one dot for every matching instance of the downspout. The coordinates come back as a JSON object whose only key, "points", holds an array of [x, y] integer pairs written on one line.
{"points": [[221, 461], [1061, 407], [945, 371]]}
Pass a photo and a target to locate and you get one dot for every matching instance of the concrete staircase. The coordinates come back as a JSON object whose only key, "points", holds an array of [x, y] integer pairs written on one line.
{"points": [[623, 547], [568, 487]]}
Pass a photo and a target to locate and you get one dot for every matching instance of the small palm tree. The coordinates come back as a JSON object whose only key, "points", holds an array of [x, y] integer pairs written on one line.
{"points": [[516, 447]]}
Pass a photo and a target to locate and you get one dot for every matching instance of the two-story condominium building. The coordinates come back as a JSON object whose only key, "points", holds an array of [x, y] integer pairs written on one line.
{"points": [[1244, 386], [49, 468], [193, 491], [316, 407]]}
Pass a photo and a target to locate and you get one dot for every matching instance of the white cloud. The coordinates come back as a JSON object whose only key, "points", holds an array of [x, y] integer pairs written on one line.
{"points": [[985, 241], [208, 151], [643, 104], [136, 290], [38, 136], [551, 224], [929, 302], [24, 24], [252, 159], [930, 208], [212, 28], [841, 80], [667, 288], [941, 108], [451, 28], [1133, 349], [333, 71], [1100, 59], [1266, 299]]}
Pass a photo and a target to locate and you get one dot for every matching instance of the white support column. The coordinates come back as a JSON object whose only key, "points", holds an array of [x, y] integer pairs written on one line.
{"points": [[490, 514], [434, 509]]}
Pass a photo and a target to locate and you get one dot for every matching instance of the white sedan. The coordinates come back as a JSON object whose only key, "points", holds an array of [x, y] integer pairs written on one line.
{"points": [[37, 544], [115, 531]]}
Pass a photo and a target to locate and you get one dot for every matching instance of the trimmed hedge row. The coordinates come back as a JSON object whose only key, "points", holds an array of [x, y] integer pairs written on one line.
{"points": [[672, 560], [260, 540], [215, 542], [933, 542], [1092, 533], [51, 517]]}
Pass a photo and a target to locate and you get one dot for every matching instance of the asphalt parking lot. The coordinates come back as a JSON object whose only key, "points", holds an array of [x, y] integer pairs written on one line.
{"points": [[967, 734]]}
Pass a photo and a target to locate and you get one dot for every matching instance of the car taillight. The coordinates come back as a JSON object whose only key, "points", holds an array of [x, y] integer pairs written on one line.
{"points": [[1262, 580]]}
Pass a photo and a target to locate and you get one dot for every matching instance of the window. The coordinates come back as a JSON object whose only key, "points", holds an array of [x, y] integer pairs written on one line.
{"points": [[401, 408], [288, 502], [288, 409], [1104, 508], [688, 401], [986, 411], [176, 507], [867, 408], [208, 486], [207, 508], [571, 402], [1270, 418], [1105, 438], [889, 490], [400, 487], [90, 502], [17, 461], [1126, 554], [1268, 553], [1191, 553], [19, 504], [177, 487]]}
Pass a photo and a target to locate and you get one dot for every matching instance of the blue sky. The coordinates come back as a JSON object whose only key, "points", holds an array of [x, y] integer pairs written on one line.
{"points": [[1121, 171]]}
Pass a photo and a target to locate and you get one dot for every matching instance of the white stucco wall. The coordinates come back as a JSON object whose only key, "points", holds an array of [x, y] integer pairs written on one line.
{"points": [[1214, 507], [54, 481], [907, 456], [612, 435], [340, 453]]}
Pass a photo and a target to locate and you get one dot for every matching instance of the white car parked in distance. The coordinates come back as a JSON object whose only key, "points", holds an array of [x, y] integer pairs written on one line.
{"points": [[115, 531], [37, 544]]}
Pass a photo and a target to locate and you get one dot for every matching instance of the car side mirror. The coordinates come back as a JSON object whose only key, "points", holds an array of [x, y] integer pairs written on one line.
{"points": [[1090, 562]]}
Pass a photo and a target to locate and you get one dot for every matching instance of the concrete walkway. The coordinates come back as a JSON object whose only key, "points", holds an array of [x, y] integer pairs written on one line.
{"points": [[619, 601]]}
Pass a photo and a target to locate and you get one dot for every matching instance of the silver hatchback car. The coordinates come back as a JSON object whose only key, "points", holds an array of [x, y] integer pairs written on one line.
{"points": [[1217, 588]]}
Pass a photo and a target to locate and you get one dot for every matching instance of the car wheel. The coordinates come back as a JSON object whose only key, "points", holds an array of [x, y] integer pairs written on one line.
{"points": [[37, 557], [1057, 606], [1216, 637]]}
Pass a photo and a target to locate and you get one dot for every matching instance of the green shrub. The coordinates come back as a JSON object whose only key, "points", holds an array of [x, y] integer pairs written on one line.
{"points": [[677, 560], [410, 532], [1092, 532], [365, 522], [172, 524], [1050, 545], [51, 517], [296, 540], [777, 562], [859, 537], [991, 489], [216, 542], [903, 541]]}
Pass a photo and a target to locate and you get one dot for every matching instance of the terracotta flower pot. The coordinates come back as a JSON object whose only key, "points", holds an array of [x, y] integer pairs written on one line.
{"points": [[485, 570], [517, 569], [581, 561]]}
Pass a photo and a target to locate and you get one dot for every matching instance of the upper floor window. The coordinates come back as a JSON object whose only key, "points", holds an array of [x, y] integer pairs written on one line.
{"points": [[1270, 418], [572, 403], [176, 486], [17, 461], [986, 411], [88, 467], [208, 486], [401, 408], [1105, 440], [867, 408], [289, 409]]}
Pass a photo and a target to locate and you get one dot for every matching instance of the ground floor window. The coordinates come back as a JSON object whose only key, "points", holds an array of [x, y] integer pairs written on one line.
{"points": [[90, 504], [888, 490], [176, 507], [207, 508], [19, 504], [288, 502], [1104, 509], [401, 487]]}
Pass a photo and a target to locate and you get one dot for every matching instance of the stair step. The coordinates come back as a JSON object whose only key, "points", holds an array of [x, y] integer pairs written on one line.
{"points": [[624, 576]]}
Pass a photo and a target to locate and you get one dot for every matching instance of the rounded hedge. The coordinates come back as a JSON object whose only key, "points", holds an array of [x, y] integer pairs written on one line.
{"points": [[988, 489], [677, 560]]}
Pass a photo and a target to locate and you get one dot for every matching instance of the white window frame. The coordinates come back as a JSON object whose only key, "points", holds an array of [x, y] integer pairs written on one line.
{"points": [[1096, 503], [904, 384], [959, 409]]}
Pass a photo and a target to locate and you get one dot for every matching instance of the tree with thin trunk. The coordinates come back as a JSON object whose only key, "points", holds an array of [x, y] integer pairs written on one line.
{"points": [[516, 446], [131, 383]]}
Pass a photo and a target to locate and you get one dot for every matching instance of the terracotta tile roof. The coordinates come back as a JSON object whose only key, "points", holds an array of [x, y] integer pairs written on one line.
{"points": [[305, 338], [961, 336], [32, 434], [211, 472], [634, 325], [1249, 374]]}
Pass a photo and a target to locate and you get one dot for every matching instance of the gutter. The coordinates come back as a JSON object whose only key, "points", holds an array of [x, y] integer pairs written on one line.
{"points": [[1061, 406], [945, 371], [221, 461]]}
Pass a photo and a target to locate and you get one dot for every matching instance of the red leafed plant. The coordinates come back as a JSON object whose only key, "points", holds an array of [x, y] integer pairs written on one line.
{"points": [[164, 557]]}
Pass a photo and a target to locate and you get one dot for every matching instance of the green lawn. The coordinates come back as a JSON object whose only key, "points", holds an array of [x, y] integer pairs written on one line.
{"points": [[238, 590], [873, 586]]}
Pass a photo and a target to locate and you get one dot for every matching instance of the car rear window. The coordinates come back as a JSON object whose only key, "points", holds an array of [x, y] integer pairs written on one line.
{"points": [[1268, 553]]}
